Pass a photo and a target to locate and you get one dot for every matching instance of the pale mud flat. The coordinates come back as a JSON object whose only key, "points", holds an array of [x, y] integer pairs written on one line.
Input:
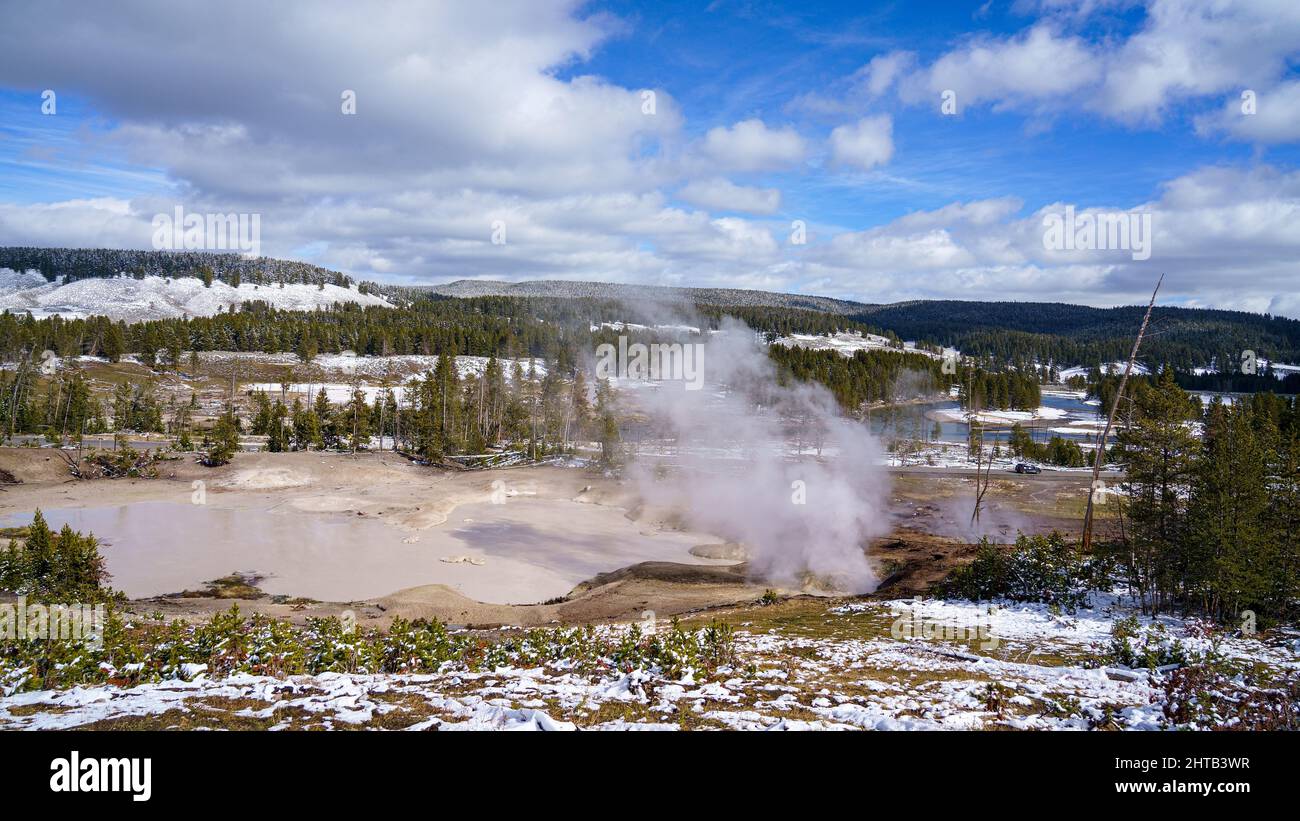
{"points": [[379, 531], [521, 551]]}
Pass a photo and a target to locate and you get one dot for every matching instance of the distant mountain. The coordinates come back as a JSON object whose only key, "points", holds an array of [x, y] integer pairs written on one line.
{"points": [[573, 289], [141, 285], [1029, 332]]}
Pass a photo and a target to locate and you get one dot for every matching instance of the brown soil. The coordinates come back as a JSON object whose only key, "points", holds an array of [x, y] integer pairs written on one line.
{"points": [[912, 561]]}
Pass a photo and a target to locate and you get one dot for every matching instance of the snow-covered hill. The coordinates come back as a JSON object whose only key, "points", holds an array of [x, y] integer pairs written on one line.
{"points": [[849, 342], [136, 300], [1115, 368]]}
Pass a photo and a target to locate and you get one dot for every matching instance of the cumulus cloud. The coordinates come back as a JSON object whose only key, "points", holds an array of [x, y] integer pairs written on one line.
{"points": [[1035, 66], [102, 222], [1181, 50], [721, 194], [750, 145], [465, 116], [865, 144], [1222, 236], [1266, 116], [884, 70]]}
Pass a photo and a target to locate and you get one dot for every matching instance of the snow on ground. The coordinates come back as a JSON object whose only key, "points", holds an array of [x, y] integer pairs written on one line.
{"points": [[402, 368], [632, 326], [1281, 370], [919, 664], [940, 454], [11, 280], [1064, 393], [135, 300], [849, 342], [1002, 417], [1116, 368], [1081, 428], [1207, 398]]}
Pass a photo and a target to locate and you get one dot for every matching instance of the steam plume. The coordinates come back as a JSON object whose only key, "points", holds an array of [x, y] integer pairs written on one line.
{"points": [[775, 467]]}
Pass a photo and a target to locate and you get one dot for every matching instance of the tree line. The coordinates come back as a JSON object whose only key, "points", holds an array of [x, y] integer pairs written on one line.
{"points": [[1185, 338], [867, 377], [539, 410], [72, 264], [1211, 523]]}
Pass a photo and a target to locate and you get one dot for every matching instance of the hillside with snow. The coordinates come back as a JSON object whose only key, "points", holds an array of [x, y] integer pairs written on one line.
{"points": [[849, 342], [152, 297]]}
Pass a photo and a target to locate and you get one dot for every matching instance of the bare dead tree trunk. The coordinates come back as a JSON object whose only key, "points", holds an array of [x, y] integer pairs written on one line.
{"points": [[1110, 419], [981, 480]]}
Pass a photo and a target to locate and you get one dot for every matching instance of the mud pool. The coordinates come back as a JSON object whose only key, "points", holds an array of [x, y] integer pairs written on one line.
{"points": [[523, 551]]}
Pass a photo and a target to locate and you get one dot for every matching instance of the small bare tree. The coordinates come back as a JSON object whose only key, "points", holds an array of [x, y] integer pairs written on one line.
{"points": [[982, 478], [1100, 455]]}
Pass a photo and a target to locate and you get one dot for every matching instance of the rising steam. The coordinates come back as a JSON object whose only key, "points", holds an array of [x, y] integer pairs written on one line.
{"points": [[777, 468]]}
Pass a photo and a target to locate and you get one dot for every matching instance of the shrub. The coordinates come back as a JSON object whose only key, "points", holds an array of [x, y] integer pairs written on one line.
{"points": [[1039, 569], [1208, 696], [1133, 644], [230, 643]]}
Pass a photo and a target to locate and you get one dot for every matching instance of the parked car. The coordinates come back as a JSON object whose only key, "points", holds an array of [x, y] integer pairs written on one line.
{"points": [[1024, 467]]}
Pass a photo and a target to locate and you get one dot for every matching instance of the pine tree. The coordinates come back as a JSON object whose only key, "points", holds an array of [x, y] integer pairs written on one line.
{"points": [[606, 414], [356, 415], [329, 436], [114, 343], [277, 435], [1228, 546], [306, 428], [1282, 517], [38, 554], [1159, 449], [579, 409], [224, 442], [445, 411]]}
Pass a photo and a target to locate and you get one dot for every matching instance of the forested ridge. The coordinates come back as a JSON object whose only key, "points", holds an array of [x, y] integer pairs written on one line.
{"points": [[550, 328], [1183, 338], [1000, 334], [73, 264]]}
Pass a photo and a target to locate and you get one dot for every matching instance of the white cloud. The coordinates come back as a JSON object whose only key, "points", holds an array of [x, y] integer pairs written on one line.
{"points": [[1193, 48], [865, 144], [103, 222], [721, 194], [1223, 236], [750, 145], [884, 70], [1182, 50], [1275, 119], [1038, 65]]}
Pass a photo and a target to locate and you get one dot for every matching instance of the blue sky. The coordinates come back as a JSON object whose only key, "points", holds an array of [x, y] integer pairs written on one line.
{"points": [[526, 113], [729, 61]]}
